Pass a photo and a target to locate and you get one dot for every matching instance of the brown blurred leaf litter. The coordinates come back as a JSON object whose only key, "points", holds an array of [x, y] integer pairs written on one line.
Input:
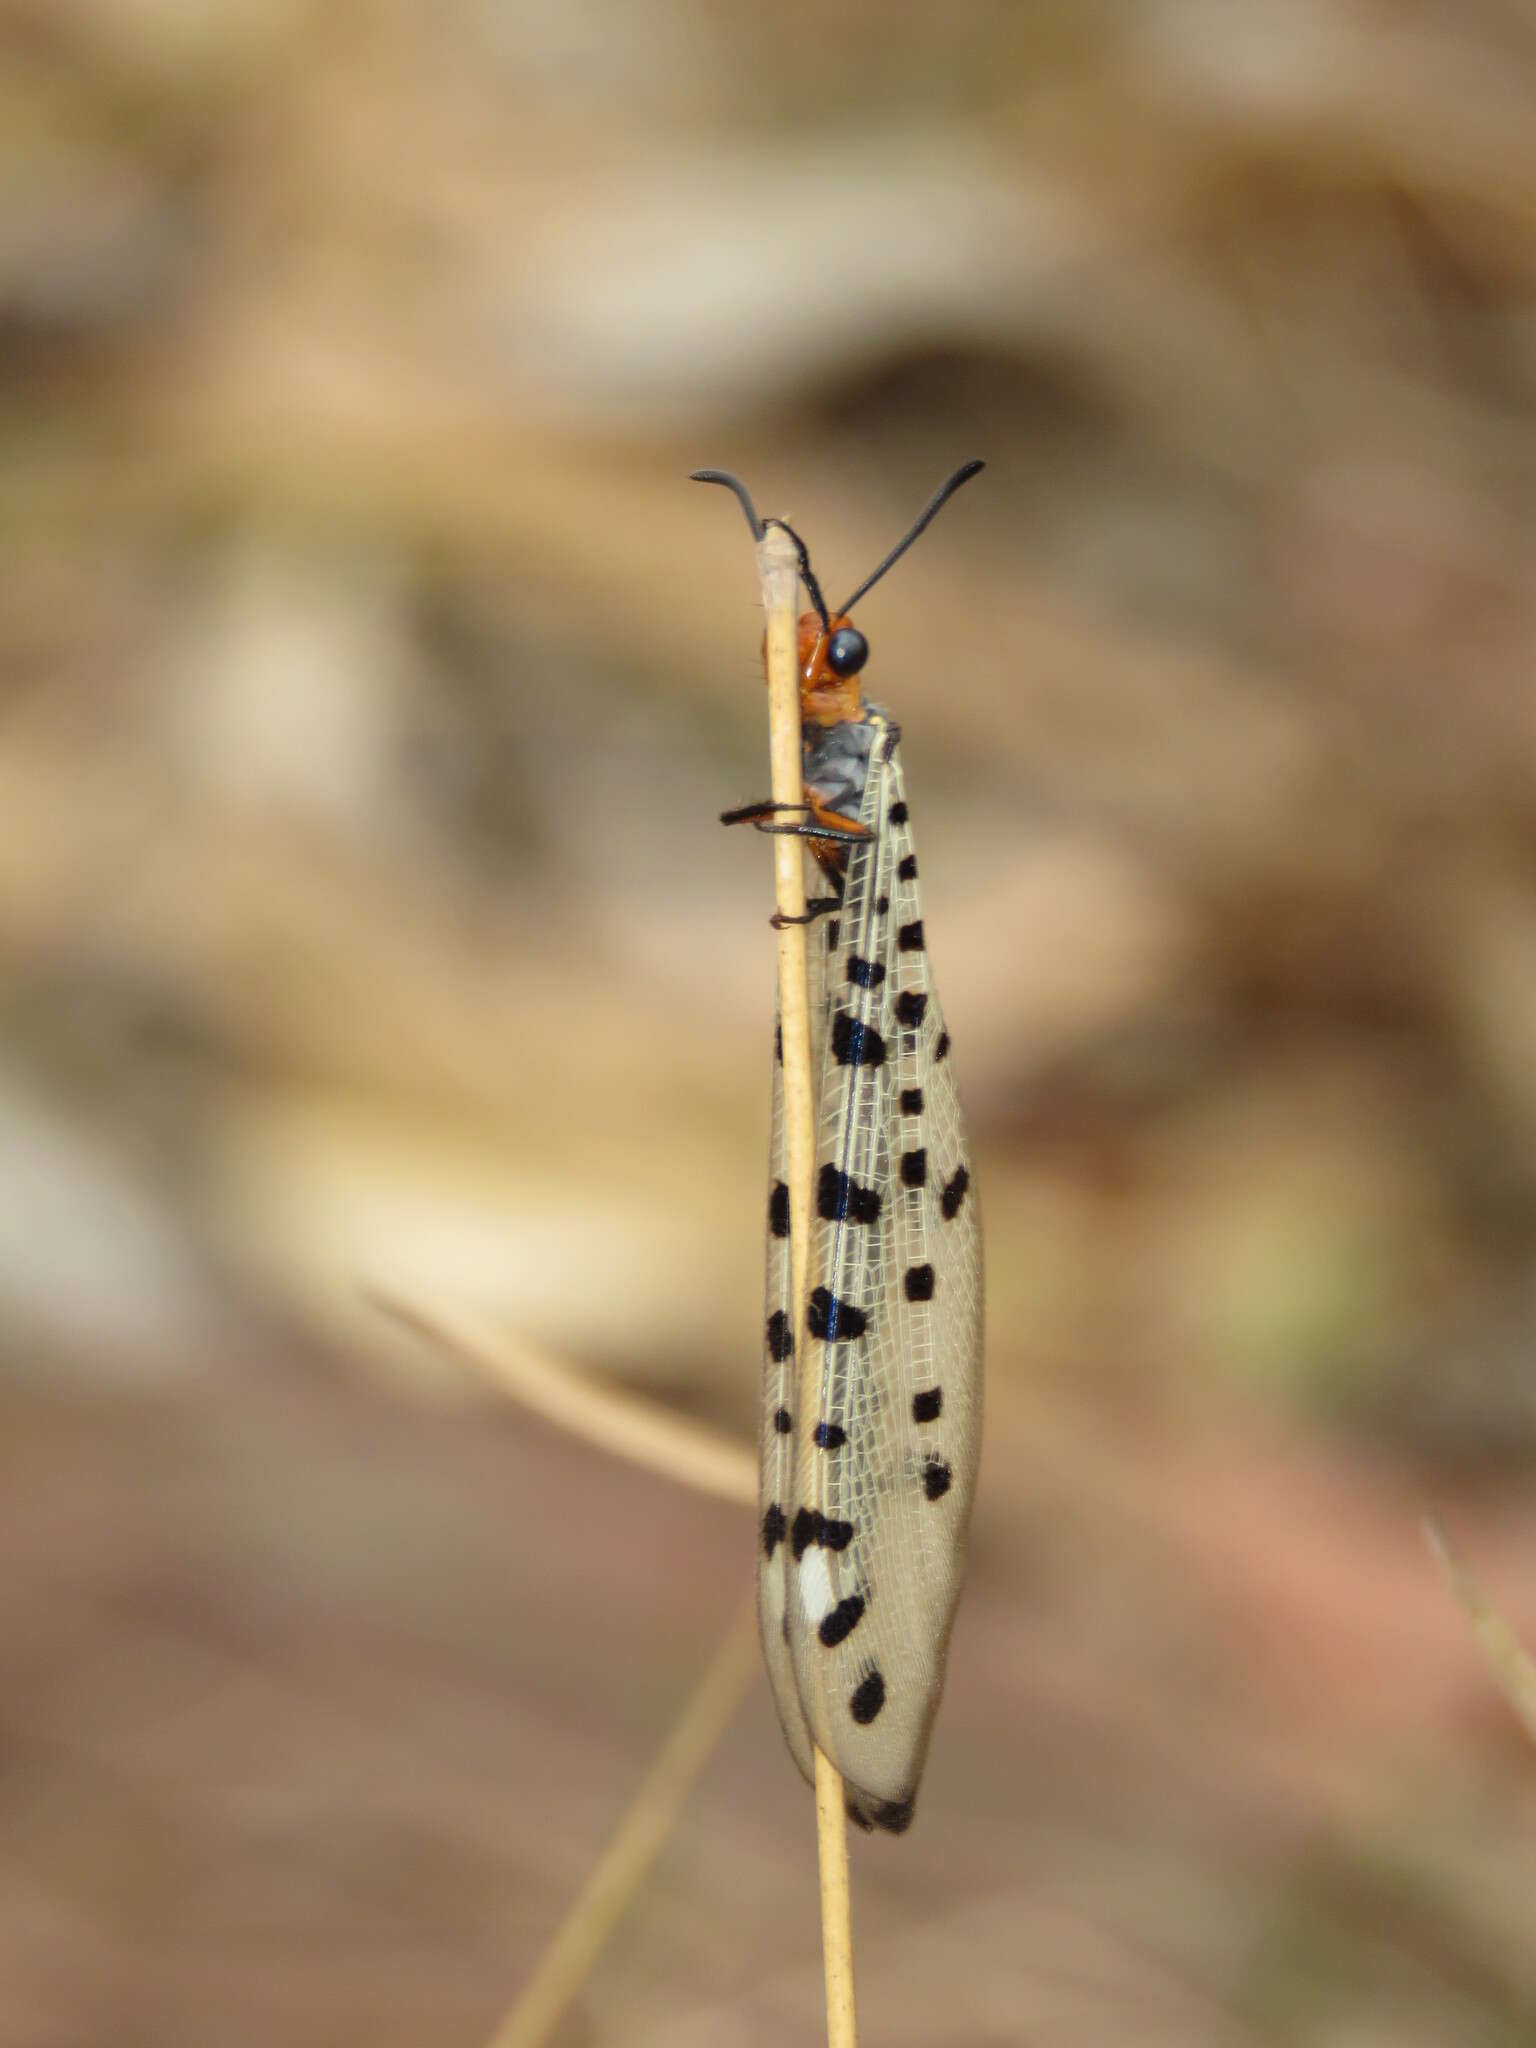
{"points": [[371, 682]]}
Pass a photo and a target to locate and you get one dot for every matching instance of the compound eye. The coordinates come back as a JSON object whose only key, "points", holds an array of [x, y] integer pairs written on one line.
{"points": [[847, 651]]}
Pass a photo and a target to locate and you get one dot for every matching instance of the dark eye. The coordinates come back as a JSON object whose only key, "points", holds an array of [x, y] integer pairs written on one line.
{"points": [[847, 651]]}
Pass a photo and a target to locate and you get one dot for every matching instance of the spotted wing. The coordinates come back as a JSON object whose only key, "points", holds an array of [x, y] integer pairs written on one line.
{"points": [[884, 1472], [776, 1423]]}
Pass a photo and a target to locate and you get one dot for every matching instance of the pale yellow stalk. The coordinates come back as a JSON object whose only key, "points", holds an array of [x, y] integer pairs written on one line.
{"points": [[1508, 1659], [621, 1423], [777, 565]]}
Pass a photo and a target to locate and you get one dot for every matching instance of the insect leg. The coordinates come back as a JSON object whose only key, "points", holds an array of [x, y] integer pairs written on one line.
{"points": [[853, 837], [748, 814], [818, 906]]}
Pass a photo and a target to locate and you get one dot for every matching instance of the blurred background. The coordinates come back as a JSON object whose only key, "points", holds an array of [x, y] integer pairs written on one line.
{"points": [[372, 678]]}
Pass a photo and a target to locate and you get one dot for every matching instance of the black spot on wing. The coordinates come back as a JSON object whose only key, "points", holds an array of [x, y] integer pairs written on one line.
{"points": [[834, 926], [781, 1341], [907, 868], [778, 1210], [894, 1815], [778, 1044], [773, 1529], [865, 973], [942, 1047], [911, 1101], [812, 1526], [910, 1007], [898, 813], [909, 937], [831, 1436], [937, 1478], [855, 1044], [868, 1699], [918, 1283], [840, 1199], [840, 1624], [914, 1168], [954, 1193], [928, 1405], [783, 1421], [834, 1321]]}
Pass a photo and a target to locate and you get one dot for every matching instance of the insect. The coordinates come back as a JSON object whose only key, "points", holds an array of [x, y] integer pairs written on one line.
{"points": [[864, 1504]]}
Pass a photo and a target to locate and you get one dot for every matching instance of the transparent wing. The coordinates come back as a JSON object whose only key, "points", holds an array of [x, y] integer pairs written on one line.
{"points": [[776, 1422], [884, 1473]]}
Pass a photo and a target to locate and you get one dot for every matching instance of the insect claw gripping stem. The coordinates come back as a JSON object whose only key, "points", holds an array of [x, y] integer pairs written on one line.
{"points": [[819, 906]]}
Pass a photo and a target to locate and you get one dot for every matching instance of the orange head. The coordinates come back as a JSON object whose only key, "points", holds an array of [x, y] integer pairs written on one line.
{"points": [[831, 654], [831, 651]]}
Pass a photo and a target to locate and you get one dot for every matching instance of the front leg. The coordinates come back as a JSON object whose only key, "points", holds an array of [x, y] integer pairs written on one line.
{"points": [[815, 820]]}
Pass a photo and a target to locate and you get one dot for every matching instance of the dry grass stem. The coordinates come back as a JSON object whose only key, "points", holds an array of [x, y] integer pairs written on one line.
{"points": [[1509, 1660], [622, 1424], [642, 1834], [777, 565], [691, 1453], [676, 1449]]}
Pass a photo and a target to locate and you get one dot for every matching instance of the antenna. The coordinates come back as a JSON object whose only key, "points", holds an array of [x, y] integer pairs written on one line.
{"points": [[939, 499], [732, 483], [760, 526], [807, 573]]}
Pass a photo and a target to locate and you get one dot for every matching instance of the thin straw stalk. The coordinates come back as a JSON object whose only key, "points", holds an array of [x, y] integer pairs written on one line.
{"points": [[777, 566]]}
